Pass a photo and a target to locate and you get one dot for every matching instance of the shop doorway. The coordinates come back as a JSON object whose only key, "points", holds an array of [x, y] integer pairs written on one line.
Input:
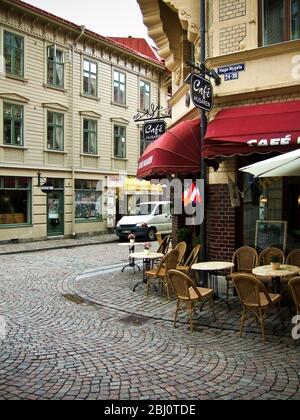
{"points": [[55, 213]]}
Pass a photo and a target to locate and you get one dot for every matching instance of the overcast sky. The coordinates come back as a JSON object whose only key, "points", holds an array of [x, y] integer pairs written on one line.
{"points": [[106, 17]]}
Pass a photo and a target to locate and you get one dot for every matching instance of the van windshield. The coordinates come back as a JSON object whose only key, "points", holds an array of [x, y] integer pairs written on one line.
{"points": [[145, 209]]}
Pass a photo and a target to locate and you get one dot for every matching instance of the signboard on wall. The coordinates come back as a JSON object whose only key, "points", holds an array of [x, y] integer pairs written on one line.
{"points": [[271, 233], [202, 93], [153, 130]]}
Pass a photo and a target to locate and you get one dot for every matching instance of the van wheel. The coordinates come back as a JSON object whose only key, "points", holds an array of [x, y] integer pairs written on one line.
{"points": [[152, 234]]}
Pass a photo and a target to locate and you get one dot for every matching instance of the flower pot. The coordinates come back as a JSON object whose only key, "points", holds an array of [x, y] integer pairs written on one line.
{"points": [[275, 266]]}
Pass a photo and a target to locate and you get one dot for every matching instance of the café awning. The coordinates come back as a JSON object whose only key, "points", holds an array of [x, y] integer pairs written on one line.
{"points": [[254, 129], [178, 152]]}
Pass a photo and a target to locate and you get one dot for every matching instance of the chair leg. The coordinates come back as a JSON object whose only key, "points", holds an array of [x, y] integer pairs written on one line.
{"points": [[262, 323], [243, 320]]}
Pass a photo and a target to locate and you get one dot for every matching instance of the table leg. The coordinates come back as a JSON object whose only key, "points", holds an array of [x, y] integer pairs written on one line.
{"points": [[132, 263]]}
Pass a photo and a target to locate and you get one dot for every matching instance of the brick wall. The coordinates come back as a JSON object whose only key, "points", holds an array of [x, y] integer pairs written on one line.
{"points": [[231, 9], [231, 37], [221, 221]]}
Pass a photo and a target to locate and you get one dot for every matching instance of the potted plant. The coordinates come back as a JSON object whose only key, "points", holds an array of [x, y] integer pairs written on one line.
{"points": [[131, 238], [275, 262], [147, 248]]}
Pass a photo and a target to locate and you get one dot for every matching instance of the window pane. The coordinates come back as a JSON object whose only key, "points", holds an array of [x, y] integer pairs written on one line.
{"points": [[86, 66], [18, 133], [86, 84], [59, 75], [94, 68], [93, 86], [7, 110], [295, 13], [14, 207], [93, 125], [50, 72], [59, 119], [9, 182], [19, 62], [86, 124], [59, 141], [8, 59], [50, 117], [88, 205], [23, 183], [93, 143], [18, 112], [7, 132], [273, 21], [86, 142]]}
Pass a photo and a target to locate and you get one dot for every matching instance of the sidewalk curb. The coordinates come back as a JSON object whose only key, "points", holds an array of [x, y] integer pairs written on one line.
{"points": [[29, 251]]}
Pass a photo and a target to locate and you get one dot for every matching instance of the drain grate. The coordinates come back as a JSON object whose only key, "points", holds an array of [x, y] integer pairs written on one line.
{"points": [[75, 299], [135, 320]]}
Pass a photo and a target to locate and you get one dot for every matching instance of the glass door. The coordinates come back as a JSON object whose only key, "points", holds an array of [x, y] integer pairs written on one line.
{"points": [[55, 205]]}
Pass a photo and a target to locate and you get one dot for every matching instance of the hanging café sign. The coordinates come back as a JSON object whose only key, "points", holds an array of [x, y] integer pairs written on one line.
{"points": [[202, 93], [154, 126]]}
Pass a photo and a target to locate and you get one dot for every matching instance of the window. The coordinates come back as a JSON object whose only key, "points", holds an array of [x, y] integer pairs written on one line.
{"points": [[90, 70], [143, 143], [14, 54], [55, 131], [119, 88], [15, 201], [88, 200], [144, 95], [90, 137], [280, 21], [119, 142], [55, 67], [13, 124]]}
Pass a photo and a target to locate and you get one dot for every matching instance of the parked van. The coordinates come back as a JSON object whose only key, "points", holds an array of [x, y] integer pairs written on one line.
{"points": [[150, 218]]}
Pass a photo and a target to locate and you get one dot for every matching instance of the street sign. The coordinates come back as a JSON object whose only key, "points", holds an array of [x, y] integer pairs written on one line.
{"points": [[154, 129], [202, 93], [45, 188]]}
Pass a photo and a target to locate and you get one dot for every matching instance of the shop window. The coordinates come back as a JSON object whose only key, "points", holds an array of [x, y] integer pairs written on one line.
{"points": [[15, 201], [280, 21], [14, 54], [88, 196], [119, 142], [55, 131], [55, 67], [90, 136], [13, 124], [145, 95], [90, 77], [119, 88]]}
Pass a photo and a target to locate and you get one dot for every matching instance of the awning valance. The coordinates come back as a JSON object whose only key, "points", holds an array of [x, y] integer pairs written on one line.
{"points": [[178, 151], [254, 129]]}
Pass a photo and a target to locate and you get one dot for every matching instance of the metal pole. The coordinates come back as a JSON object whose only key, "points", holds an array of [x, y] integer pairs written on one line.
{"points": [[203, 236]]}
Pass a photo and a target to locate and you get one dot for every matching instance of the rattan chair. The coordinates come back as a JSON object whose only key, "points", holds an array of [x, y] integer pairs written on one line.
{"points": [[245, 259], [255, 299], [182, 247], [292, 259], [164, 246], [192, 259], [265, 258], [188, 294], [160, 274], [294, 286]]}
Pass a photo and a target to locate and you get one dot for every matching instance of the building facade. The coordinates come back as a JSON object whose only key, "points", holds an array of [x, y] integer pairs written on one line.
{"points": [[254, 45], [67, 101]]}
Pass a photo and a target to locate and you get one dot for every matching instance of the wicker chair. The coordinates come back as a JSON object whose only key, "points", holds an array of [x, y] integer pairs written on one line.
{"points": [[265, 258], [160, 273], [245, 259], [182, 247], [192, 259], [294, 286], [255, 298], [188, 294], [164, 246], [292, 259]]}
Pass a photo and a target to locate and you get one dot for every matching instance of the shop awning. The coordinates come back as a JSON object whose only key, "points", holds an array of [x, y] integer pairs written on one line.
{"points": [[178, 151], [254, 129]]}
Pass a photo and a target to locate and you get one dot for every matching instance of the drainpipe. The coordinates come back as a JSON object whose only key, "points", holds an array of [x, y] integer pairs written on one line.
{"points": [[203, 236], [82, 28]]}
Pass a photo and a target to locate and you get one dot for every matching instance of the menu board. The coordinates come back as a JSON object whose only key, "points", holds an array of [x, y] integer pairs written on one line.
{"points": [[270, 233]]}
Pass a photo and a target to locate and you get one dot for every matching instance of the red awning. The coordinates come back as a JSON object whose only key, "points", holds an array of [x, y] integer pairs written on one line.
{"points": [[178, 151], [254, 129]]}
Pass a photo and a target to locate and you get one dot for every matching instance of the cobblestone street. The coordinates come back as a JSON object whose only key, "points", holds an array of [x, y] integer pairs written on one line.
{"points": [[76, 330]]}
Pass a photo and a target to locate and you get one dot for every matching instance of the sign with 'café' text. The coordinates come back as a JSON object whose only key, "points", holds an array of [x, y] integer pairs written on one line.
{"points": [[154, 129], [202, 93]]}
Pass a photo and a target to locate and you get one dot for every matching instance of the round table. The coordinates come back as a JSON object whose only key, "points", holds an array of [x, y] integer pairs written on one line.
{"points": [[131, 247], [276, 275], [212, 267], [147, 258]]}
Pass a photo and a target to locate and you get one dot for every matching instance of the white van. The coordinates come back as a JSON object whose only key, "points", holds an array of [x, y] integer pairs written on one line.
{"points": [[150, 218]]}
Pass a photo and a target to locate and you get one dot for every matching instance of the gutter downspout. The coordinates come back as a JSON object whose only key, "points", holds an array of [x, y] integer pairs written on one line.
{"points": [[203, 235], [73, 129]]}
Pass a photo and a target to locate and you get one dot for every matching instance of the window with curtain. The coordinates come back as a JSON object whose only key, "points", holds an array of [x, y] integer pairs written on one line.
{"points": [[119, 142], [119, 88], [13, 124], [55, 67], [55, 131], [90, 137], [90, 77], [145, 92], [14, 54]]}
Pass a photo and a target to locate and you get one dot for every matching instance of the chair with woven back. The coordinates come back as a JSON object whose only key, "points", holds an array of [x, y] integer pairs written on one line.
{"points": [[294, 286], [255, 299], [164, 245], [181, 247], [292, 259], [188, 294], [265, 258], [245, 259], [192, 259], [169, 262]]}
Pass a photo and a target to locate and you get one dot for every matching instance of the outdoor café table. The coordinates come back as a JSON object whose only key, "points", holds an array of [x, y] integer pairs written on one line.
{"points": [[131, 263], [276, 275], [212, 268], [147, 258]]}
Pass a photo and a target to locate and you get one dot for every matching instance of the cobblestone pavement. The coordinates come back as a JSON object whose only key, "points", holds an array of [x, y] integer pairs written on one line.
{"points": [[76, 330]]}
